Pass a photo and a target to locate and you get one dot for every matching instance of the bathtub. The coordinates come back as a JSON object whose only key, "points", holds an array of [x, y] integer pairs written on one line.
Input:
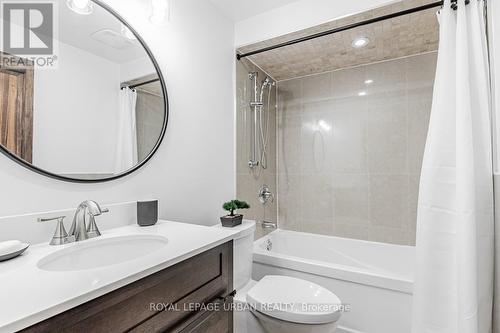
{"points": [[374, 279]]}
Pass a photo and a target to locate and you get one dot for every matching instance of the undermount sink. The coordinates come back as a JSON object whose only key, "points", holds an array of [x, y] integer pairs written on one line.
{"points": [[98, 253]]}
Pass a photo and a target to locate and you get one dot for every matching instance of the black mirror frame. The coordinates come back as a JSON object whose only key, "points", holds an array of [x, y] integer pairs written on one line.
{"points": [[158, 142]]}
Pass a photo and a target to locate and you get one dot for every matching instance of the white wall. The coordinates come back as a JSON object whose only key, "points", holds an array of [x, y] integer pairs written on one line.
{"points": [[75, 109], [136, 69], [193, 171], [297, 16]]}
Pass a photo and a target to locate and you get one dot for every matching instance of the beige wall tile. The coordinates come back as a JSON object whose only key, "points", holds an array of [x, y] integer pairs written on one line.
{"points": [[289, 143], [249, 181], [351, 199], [357, 175], [317, 199], [389, 200], [351, 231], [386, 131], [289, 201]]}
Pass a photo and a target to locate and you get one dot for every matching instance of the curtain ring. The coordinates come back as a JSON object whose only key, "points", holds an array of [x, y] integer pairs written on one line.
{"points": [[454, 4]]}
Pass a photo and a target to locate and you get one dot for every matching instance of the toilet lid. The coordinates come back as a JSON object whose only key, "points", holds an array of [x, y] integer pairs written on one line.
{"points": [[294, 300]]}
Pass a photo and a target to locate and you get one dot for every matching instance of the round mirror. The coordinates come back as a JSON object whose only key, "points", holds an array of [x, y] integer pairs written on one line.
{"points": [[81, 96]]}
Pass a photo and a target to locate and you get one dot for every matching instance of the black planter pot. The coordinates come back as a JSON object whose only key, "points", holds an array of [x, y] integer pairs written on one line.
{"points": [[229, 221]]}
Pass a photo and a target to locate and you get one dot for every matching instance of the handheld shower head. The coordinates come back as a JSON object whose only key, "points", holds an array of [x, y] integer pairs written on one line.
{"points": [[268, 82]]}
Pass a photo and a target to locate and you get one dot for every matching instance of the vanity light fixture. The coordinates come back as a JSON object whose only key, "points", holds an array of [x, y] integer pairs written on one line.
{"points": [[369, 81], [125, 31], [360, 42], [160, 12], [82, 7], [362, 93]]}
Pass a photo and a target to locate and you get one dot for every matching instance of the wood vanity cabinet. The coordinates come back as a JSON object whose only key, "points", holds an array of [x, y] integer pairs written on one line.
{"points": [[199, 291]]}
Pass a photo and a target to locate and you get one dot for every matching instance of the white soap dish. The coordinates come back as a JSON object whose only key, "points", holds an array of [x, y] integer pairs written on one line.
{"points": [[12, 249]]}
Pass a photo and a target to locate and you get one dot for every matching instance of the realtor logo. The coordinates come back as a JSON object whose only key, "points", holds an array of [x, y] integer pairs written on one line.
{"points": [[28, 28], [28, 31]]}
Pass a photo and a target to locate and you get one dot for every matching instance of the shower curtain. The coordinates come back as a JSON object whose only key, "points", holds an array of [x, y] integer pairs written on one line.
{"points": [[126, 151], [453, 290], [494, 43]]}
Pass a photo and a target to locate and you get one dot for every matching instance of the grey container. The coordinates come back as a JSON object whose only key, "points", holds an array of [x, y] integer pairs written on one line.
{"points": [[147, 213], [231, 221]]}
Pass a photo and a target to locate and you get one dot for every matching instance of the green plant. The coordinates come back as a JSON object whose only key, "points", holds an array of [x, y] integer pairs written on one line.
{"points": [[233, 205]]}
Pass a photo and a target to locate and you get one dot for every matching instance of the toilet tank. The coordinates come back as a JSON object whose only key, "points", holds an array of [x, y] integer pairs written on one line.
{"points": [[243, 254]]}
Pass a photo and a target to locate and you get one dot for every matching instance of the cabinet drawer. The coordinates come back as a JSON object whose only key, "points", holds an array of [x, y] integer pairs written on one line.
{"points": [[197, 279], [212, 321]]}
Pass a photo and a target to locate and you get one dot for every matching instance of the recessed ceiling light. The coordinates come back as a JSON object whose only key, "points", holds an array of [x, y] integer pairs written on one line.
{"points": [[324, 125], [362, 93], [82, 7], [360, 42], [369, 81]]}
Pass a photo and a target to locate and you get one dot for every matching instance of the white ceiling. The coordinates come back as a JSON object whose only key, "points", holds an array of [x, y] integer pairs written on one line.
{"points": [[239, 10], [76, 30]]}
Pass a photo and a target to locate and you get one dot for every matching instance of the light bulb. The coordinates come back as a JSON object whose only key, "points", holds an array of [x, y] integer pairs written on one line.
{"points": [[360, 42], [82, 7], [324, 125]]}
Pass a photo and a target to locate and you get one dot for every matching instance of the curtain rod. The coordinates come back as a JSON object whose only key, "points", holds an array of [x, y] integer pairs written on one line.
{"points": [[132, 86], [344, 28]]}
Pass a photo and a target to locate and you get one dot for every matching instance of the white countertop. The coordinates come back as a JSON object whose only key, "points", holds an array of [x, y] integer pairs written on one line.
{"points": [[29, 295]]}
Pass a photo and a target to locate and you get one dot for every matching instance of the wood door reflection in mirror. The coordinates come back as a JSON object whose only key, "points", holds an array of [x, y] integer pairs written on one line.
{"points": [[16, 111]]}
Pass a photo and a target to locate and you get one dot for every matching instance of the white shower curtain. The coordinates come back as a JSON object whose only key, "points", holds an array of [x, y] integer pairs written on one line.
{"points": [[454, 255], [494, 42], [126, 151]]}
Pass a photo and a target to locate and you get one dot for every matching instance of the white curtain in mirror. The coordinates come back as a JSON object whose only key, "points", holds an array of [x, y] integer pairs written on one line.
{"points": [[126, 153], [453, 290]]}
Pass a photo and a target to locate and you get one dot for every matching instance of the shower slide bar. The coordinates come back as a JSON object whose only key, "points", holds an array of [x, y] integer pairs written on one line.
{"points": [[239, 56]]}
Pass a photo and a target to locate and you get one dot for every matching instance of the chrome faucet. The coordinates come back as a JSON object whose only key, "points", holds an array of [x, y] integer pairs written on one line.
{"points": [[82, 230], [60, 237]]}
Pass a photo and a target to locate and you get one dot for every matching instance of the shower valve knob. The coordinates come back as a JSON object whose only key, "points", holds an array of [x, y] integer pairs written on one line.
{"points": [[265, 195], [253, 164]]}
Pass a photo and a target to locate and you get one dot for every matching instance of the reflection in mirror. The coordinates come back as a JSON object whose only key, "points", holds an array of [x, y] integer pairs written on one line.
{"points": [[98, 113]]}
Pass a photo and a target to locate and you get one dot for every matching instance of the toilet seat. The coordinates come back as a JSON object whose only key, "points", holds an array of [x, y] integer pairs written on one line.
{"points": [[294, 300]]}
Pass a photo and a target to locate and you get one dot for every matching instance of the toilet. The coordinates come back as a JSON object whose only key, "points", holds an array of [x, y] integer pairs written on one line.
{"points": [[277, 304]]}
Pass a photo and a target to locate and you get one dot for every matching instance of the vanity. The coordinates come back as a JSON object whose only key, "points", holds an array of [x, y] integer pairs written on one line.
{"points": [[182, 283]]}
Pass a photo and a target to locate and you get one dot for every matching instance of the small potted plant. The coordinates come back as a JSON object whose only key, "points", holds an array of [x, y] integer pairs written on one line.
{"points": [[232, 219]]}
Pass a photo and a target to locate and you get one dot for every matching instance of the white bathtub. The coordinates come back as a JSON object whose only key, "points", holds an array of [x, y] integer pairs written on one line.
{"points": [[374, 279]]}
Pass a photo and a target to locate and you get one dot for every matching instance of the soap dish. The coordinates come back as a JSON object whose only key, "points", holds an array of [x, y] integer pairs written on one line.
{"points": [[15, 251]]}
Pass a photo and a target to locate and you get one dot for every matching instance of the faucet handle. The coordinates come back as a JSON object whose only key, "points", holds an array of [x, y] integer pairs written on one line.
{"points": [[50, 219], [92, 229], [60, 235]]}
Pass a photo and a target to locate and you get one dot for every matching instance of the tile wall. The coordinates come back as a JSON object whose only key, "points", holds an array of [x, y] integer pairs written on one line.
{"points": [[249, 181], [350, 147], [150, 111]]}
